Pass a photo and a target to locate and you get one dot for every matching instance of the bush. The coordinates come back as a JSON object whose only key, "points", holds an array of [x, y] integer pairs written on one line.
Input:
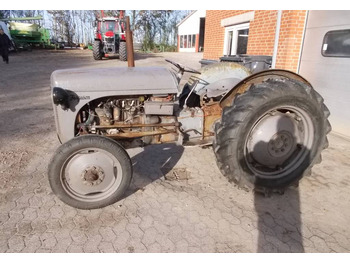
{"points": [[158, 48]]}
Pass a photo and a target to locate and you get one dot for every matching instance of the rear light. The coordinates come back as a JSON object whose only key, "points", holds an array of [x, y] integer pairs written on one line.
{"points": [[123, 36]]}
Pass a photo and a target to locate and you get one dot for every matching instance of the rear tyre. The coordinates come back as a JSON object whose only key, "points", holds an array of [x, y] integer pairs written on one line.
{"points": [[90, 172], [122, 51], [97, 50], [271, 135]]}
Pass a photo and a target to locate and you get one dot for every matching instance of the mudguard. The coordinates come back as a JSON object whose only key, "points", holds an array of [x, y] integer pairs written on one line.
{"points": [[242, 86]]}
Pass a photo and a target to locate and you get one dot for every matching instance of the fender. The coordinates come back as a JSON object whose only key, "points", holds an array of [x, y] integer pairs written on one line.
{"points": [[260, 77]]}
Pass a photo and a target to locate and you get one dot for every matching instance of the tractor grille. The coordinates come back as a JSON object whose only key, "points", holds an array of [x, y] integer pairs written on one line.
{"points": [[109, 39]]}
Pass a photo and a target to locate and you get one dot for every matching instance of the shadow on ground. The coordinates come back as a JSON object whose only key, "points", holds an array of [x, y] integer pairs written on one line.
{"points": [[153, 163], [279, 219]]}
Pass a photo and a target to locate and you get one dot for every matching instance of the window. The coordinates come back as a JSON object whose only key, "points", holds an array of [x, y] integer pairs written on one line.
{"points": [[336, 43], [236, 39], [193, 41], [187, 41], [110, 26]]}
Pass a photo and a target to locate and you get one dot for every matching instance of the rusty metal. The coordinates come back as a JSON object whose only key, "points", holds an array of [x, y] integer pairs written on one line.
{"points": [[257, 78], [171, 137], [141, 134], [104, 120], [168, 138], [129, 44], [122, 125], [212, 113]]}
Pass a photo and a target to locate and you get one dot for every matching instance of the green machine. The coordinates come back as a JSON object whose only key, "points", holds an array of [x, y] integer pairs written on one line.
{"points": [[26, 35]]}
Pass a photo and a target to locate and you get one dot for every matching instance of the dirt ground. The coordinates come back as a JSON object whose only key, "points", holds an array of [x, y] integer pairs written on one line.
{"points": [[203, 213]]}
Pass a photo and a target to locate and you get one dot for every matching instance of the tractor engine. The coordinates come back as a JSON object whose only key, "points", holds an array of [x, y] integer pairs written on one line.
{"points": [[126, 111], [146, 118]]}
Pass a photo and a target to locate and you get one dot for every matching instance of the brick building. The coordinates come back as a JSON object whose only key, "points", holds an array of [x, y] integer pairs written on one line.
{"points": [[230, 32], [312, 43]]}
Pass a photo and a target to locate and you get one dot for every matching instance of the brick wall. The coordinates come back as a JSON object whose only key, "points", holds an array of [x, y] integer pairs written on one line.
{"points": [[290, 41], [214, 33], [261, 35]]}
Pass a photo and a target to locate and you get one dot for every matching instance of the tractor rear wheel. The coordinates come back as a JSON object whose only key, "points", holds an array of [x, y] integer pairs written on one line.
{"points": [[90, 171], [271, 135], [122, 51], [97, 50]]}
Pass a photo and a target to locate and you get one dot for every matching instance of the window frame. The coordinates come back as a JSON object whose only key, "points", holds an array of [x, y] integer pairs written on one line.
{"points": [[324, 43], [189, 39], [234, 29]]}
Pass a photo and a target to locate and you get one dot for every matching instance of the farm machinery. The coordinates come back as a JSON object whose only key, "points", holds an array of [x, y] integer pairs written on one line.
{"points": [[110, 38], [26, 35], [267, 128]]}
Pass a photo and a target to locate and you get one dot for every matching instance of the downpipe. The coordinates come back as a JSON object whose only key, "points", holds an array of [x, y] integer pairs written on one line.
{"points": [[277, 36]]}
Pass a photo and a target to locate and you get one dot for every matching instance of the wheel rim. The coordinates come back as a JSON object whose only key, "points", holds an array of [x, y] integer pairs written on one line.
{"points": [[91, 175], [279, 142]]}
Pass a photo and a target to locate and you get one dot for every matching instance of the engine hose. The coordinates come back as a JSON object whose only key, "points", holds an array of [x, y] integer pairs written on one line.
{"points": [[88, 121]]}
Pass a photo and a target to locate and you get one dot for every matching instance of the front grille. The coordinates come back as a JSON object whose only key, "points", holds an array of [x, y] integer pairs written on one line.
{"points": [[109, 39]]}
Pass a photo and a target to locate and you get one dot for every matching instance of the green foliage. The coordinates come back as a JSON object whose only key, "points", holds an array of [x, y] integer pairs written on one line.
{"points": [[158, 48], [156, 29]]}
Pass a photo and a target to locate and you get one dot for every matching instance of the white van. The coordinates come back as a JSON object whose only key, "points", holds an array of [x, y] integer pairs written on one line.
{"points": [[325, 62]]}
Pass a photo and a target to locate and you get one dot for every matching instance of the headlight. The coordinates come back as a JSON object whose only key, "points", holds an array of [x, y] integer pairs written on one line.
{"points": [[60, 97]]}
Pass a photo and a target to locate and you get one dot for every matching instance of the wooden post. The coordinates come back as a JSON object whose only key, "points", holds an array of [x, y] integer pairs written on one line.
{"points": [[129, 44]]}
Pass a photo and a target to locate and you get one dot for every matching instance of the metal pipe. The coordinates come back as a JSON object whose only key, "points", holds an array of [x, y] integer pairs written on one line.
{"points": [[302, 41], [129, 44], [175, 124], [141, 134], [277, 36]]}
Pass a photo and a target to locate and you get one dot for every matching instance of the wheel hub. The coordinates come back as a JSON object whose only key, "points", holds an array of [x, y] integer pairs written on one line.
{"points": [[279, 141], [273, 140], [280, 144], [92, 176]]}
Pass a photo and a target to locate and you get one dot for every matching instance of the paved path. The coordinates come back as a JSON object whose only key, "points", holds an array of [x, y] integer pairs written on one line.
{"points": [[201, 212]]}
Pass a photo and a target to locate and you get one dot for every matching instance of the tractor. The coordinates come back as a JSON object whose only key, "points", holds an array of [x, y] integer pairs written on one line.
{"points": [[267, 128], [110, 38]]}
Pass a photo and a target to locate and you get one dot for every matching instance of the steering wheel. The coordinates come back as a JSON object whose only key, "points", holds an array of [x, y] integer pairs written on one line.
{"points": [[183, 68]]}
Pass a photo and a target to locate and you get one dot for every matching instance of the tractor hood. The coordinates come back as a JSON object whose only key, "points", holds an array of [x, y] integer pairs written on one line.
{"points": [[119, 80]]}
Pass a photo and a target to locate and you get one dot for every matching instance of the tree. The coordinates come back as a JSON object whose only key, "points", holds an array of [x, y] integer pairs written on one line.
{"points": [[156, 27], [4, 14]]}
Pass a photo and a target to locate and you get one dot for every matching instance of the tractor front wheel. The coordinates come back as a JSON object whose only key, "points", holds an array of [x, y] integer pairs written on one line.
{"points": [[122, 51], [90, 172], [97, 50]]}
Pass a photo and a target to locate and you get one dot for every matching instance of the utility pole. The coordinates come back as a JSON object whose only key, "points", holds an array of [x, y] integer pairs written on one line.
{"points": [[129, 44]]}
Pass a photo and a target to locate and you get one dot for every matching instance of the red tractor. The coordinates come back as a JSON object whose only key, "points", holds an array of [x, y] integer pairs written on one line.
{"points": [[110, 37]]}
